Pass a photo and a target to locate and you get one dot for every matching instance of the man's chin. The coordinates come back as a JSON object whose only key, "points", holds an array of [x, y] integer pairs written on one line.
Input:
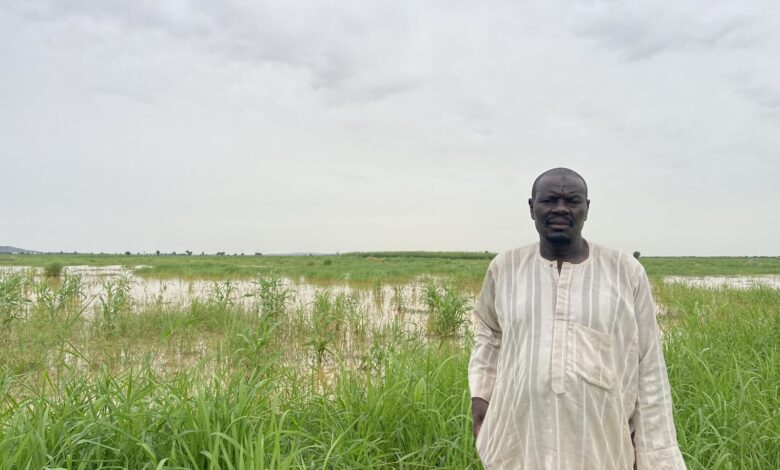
{"points": [[558, 238]]}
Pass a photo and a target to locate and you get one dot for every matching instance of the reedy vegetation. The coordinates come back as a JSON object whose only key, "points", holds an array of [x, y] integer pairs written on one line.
{"points": [[278, 383], [448, 309]]}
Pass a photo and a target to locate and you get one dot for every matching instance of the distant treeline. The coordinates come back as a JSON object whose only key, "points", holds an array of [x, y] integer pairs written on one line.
{"points": [[425, 254]]}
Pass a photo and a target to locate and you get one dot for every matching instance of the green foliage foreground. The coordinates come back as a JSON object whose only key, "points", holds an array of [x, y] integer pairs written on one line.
{"points": [[261, 394], [723, 356], [412, 416]]}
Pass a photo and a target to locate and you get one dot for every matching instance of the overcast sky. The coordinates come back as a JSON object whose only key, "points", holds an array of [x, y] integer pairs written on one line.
{"points": [[287, 126]]}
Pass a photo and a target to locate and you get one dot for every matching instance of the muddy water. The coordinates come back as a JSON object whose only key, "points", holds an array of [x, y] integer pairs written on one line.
{"points": [[383, 302], [378, 306], [735, 282], [385, 299]]}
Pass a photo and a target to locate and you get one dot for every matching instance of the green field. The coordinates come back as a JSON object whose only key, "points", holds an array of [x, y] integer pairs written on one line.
{"points": [[463, 269], [267, 382]]}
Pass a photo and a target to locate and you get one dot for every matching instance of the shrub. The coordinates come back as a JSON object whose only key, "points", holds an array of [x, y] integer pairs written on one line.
{"points": [[447, 310], [52, 270]]}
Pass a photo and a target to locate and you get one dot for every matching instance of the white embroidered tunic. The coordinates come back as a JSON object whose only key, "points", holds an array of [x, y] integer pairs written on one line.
{"points": [[571, 364]]}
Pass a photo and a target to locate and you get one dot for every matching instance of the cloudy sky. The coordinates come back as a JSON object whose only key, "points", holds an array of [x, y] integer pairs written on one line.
{"points": [[246, 126]]}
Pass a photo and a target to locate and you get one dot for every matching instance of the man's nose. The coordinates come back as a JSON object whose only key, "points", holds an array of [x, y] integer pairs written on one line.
{"points": [[560, 207]]}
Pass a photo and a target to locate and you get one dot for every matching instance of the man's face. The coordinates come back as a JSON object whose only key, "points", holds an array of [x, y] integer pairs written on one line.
{"points": [[559, 208]]}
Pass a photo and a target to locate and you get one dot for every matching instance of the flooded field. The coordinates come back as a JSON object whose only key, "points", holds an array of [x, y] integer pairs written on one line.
{"points": [[733, 282], [115, 318], [383, 301], [172, 365]]}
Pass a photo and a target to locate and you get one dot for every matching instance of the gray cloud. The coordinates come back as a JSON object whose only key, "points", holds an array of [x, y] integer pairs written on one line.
{"points": [[640, 30], [177, 18], [325, 126], [765, 96], [330, 41]]}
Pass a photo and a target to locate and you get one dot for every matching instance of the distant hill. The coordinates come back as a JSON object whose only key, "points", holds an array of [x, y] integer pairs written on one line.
{"points": [[15, 251]]}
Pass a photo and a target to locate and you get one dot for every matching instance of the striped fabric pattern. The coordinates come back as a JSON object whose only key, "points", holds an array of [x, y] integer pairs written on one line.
{"points": [[572, 366]]}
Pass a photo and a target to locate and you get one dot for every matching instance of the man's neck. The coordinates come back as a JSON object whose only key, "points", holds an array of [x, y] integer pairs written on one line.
{"points": [[574, 252]]}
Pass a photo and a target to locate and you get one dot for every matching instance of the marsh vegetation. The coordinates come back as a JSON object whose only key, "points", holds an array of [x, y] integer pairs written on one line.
{"points": [[360, 364]]}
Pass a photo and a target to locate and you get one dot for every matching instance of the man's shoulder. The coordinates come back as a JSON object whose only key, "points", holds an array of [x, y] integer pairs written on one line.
{"points": [[515, 255], [612, 256]]}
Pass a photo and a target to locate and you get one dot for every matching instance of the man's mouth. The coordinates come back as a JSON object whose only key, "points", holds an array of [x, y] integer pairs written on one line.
{"points": [[558, 223]]}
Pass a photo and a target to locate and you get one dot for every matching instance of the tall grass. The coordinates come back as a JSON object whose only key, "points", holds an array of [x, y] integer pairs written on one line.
{"points": [[447, 308], [268, 383], [53, 298], [412, 414], [115, 301], [13, 297], [723, 356], [273, 295]]}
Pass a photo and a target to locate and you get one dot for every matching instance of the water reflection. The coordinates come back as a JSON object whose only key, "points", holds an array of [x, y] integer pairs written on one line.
{"points": [[383, 302], [733, 282]]}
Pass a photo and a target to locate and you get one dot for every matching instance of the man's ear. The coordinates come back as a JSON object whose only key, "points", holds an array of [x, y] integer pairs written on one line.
{"points": [[587, 204], [531, 207]]}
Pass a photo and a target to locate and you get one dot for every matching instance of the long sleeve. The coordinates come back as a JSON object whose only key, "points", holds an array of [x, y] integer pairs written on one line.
{"points": [[487, 341], [655, 439]]}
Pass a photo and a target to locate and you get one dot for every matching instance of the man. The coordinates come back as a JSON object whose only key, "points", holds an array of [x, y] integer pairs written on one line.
{"points": [[567, 370]]}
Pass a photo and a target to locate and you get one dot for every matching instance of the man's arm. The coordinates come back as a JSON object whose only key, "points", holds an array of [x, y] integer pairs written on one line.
{"points": [[655, 439], [484, 357]]}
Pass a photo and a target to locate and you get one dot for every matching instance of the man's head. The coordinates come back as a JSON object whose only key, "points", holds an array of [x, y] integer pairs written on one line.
{"points": [[559, 205]]}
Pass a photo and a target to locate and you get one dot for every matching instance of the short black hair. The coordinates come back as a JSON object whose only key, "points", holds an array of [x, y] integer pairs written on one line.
{"points": [[558, 171]]}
